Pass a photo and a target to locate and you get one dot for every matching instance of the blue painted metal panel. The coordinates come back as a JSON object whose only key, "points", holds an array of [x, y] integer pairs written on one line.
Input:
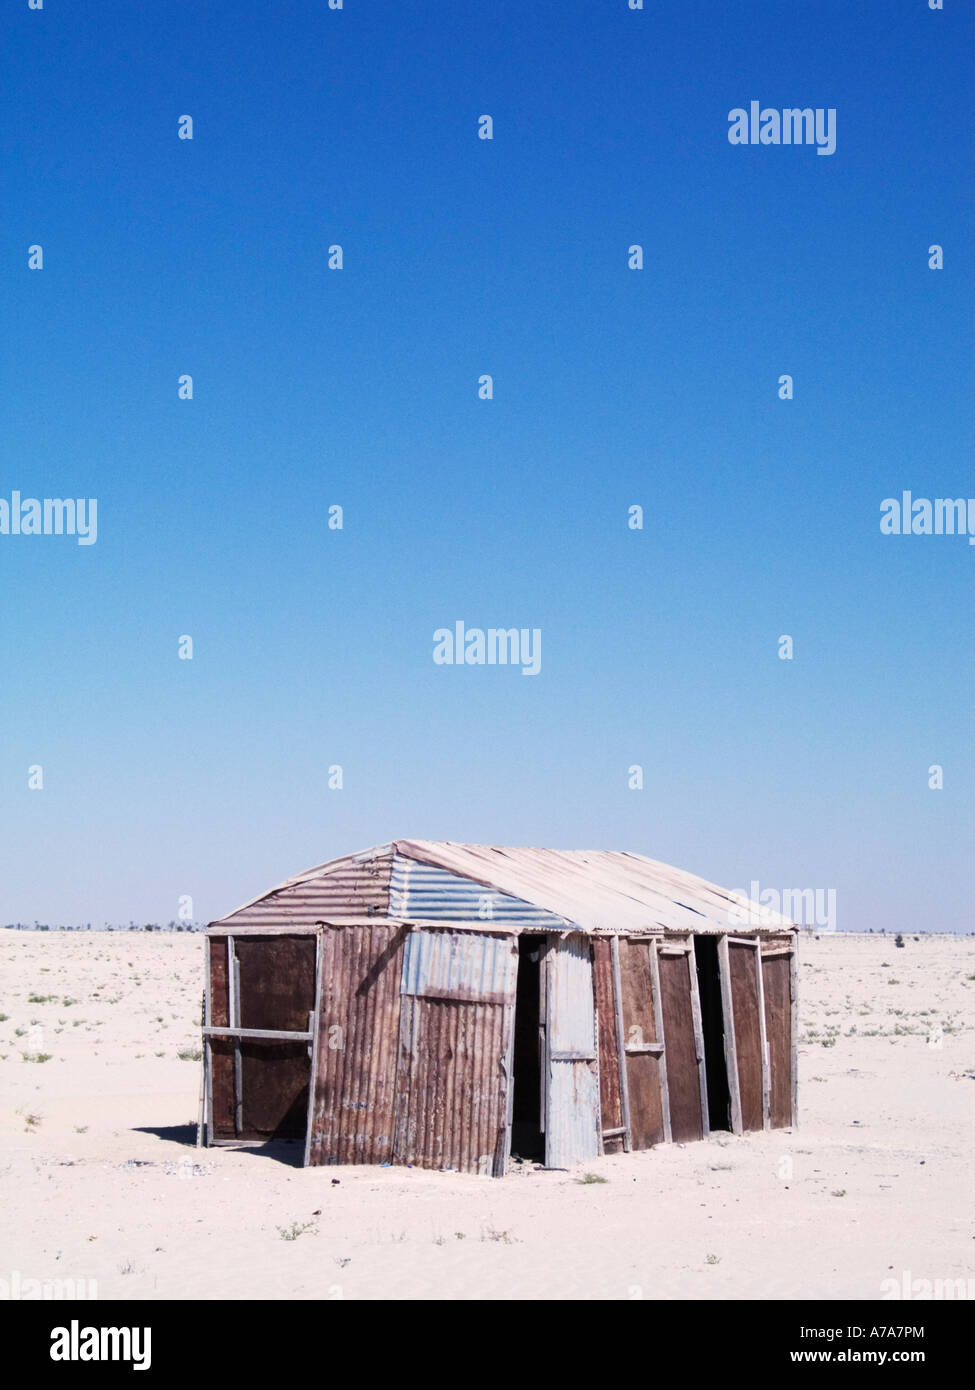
{"points": [[460, 965], [428, 894]]}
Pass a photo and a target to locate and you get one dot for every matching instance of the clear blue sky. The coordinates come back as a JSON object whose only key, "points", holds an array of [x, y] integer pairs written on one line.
{"points": [[358, 387]]}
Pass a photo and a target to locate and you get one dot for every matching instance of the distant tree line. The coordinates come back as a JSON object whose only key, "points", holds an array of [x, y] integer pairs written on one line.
{"points": [[105, 926]]}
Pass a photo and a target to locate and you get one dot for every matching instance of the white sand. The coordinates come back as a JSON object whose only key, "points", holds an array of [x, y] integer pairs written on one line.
{"points": [[887, 1120]]}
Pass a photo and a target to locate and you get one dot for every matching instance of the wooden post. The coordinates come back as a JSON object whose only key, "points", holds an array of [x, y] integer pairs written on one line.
{"points": [[763, 1038], [730, 1048], [614, 949], [702, 1072], [658, 1016], [794, 992], [314, 1019], [404, 1133], [233, 1018], [543, 1059], [205, 1125], [508, 1068]]}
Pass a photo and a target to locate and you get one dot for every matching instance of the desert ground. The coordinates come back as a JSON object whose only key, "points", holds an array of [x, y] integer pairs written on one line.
{"points": [[99, 1042]]}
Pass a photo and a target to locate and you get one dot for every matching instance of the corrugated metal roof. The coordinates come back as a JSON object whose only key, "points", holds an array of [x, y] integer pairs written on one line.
{"points": [[591, 890], [606, 890], [357, 885]]}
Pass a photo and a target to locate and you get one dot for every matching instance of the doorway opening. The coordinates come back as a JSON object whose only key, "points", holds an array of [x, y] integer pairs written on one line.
{"points": [[712, 1024], [527, 1139]]}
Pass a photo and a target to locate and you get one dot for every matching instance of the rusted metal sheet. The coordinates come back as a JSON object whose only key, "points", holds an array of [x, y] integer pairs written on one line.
{"points": [[640, 1035], [572, 1125], [274, 1090], [460, 965], [452, 1108], [276, 977], [353, 1107], [422, 891], [776, 972], [744, 1016], [355, 886], [683, 1077], [221, 1054], [217, 984], [610, 1100], [748, 1046]]}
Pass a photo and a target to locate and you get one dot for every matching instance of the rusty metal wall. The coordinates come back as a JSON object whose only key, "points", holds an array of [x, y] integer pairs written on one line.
{"points": [[748, 1046], [358, 1038], [639, 1030], [777, 989], [452, 1089], [680, 1049], [610, 1100], [276, 981]]}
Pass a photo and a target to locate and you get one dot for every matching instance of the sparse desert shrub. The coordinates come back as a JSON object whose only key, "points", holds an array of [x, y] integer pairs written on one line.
{"points": [[293, 1231], [37, 1056], [189, 1054], [588, 1178], [898, 940], [712, 1259], [33, 998], [503, 1237]]}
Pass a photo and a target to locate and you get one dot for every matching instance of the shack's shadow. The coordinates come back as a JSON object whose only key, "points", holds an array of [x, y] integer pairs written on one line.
{"points": [[287, 1151]]}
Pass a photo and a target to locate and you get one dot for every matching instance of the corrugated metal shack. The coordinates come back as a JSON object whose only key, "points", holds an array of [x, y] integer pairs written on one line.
{"points": [[451, 1006]]}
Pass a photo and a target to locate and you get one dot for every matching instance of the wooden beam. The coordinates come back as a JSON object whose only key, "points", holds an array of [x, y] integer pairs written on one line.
{"points": [[794, 992], [763, 1038], [313, 1024], [702, 1071], [543, 1065], [403, 1139], [658, 1018], [268, 1034], [233, 1017], [205, 1125], [632, 1049], [730, 1048], [614, 950]]}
